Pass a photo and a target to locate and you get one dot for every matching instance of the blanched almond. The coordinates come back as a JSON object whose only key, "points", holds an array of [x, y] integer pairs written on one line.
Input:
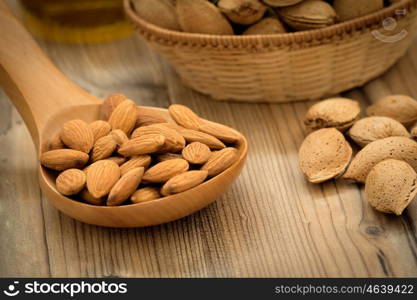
{"points": [[63, 159], [183, 182], [101, 177], [145, 144], [125, 187], [70, 182], [324, 155], [400, 148], [220, 161], [77, 135], [163, 171], [390, 186]]}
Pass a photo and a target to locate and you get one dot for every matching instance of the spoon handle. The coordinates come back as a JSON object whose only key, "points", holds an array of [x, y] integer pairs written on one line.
{"points": [[34, 85]]}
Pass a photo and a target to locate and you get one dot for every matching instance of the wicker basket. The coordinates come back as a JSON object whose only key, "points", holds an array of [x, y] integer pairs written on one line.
{"points": [[285, 67]]}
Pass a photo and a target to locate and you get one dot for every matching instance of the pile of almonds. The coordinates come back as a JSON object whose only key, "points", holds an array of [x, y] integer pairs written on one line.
{"points": [[387, 160], [137, 153], [248, 17]]}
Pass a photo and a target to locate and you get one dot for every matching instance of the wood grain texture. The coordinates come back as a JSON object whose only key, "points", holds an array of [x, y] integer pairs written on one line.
{"points": [[271, 222]]}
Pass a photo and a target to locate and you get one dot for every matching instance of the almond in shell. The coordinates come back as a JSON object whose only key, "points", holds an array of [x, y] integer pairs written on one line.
{"points": [[183, 182], [146, 144], [135, 162], [324, 155], [267, 25], [125, 187], [145, 194], [201, 16], [124, 116], [70, 182], [244, 12], [196, 153], [340, 113], [101, 177], [77, 135], [370, 129], [398, 107], [306, 15], [103, 148], [63, 159], [391, 186], [220, 161], [400, 148], [350, 9], [163, 171]]}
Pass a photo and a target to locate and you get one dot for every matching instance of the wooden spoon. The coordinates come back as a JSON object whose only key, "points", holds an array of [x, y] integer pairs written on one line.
{"points": [[46, 99]]}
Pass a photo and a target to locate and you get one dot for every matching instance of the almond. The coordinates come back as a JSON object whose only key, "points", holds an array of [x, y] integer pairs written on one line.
{"points": [[183, 182], [103, 148], [99, 129], [145, 144], [90, 199], [70, 182], [168, 156], [196, 153], [63, 159], [125, 187], [119, 160], [101, 177], [145, 194], [267, 25], [163, 171], [196, 136], [148, 116], [222, 132], [174, 141], [398, 107], [109, 104], [391, 186], [119, 137], [124, 116], [370, 129], [324, 155], [220, 161], [400, 148], [340, 113], [77, 135], [184, 116], [135, 162], [350, 9], [55, 142], [242, 12]]}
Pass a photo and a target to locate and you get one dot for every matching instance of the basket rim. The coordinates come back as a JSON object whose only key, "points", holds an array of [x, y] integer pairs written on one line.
{"points": [[357, 24]]}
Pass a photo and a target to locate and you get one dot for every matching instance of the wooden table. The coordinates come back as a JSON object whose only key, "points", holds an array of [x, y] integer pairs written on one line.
{"points": [[271, 223]]}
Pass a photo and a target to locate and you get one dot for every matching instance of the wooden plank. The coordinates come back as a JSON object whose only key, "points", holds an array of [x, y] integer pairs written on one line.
{"points": [[270, 223]]}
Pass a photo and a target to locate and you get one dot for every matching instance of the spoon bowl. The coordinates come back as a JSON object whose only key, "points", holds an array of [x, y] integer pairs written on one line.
{"points": [[46, 99]]}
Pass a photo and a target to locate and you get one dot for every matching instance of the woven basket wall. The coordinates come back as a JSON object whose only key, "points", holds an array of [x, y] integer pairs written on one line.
{"points": [[284, 67]]}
